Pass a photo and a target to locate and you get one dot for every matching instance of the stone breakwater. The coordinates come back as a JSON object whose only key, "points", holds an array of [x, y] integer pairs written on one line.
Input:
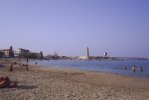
{"points": [[65, 84]]}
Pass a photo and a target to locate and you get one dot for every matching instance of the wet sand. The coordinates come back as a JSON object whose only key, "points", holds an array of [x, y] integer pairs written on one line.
{"points": [[65, 84]]}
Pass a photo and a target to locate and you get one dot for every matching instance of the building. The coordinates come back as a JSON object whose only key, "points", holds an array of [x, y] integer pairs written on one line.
{"points": [[21, 51], [83, 58], [105, 54], [6, 52]]}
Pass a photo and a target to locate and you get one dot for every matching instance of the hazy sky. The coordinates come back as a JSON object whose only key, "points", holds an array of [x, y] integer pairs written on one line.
{"points": [[120, 27]]}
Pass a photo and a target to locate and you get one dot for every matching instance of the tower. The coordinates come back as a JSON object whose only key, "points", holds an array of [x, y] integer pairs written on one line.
{"points": [[87, 52]]}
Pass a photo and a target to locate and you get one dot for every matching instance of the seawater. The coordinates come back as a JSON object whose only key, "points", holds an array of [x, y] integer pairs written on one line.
{"points": [[111, 66]]}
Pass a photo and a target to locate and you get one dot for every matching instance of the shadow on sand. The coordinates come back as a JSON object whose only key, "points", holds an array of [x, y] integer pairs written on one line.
{"points": [[27, 87]]}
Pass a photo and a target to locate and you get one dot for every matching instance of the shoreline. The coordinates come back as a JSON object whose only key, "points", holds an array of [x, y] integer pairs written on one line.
{"points": [[57, 83], [118, 68], [85, 70]]}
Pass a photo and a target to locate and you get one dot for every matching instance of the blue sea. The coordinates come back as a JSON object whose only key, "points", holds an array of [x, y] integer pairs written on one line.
{"points": [[110, 66]]}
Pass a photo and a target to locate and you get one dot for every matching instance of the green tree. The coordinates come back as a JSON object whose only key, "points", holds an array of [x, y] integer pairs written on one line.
{"points": [[41, 54], [30, 56], [11, 53], [1, 54]]}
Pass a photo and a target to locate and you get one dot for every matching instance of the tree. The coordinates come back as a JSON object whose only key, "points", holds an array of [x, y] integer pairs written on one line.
{"points": [[2, 54], [41, 54], [11, 53], [30, 55]]}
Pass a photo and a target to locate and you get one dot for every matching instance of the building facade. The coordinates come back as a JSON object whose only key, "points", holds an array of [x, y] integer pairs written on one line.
{"points": [[6, 52], [21, 52]]}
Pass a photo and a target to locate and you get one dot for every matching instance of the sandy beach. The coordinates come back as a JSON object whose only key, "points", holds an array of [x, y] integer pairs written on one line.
{"points": [[65, 84]]}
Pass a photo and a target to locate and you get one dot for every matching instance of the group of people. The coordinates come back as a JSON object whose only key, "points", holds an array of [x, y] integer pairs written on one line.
{"points": [[134, 68], [5, 81], [11, 66]]}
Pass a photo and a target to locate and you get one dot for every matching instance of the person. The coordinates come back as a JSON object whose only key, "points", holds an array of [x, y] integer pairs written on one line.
{"points": [[124, 67], [5, 82], [141, 69], [15, 63], [27, 60], [36, 63], [11, 68], [134, 68]]}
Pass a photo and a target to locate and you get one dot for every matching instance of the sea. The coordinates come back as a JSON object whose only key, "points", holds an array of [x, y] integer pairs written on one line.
{"points": [[108, 66]]}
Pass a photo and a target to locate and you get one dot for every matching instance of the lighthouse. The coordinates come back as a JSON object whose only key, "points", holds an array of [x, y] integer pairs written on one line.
{"points": [[87, 53]]}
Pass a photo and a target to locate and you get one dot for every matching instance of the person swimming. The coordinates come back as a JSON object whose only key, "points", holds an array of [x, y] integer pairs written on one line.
{"points": [[124, 68], [36, 63], [134, 68], [141, 69]]}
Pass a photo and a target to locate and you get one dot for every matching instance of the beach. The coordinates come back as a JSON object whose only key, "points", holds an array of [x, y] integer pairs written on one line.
{"points": [[40, 83]]}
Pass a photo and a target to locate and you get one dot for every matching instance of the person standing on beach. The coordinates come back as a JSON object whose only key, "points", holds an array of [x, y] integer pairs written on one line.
{"points": [[11, 68], [27, 60]]}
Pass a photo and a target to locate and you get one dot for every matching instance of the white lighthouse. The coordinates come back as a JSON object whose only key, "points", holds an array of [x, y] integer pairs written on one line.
{"points": [[87, 53]]}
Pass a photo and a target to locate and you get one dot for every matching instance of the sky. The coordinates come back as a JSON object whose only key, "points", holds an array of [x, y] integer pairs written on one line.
{"points": [[119, 27]]}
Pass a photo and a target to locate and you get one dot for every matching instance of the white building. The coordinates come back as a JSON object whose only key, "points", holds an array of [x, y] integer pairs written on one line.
{"points": [[21, 51], [83, 57], [105, 54]]}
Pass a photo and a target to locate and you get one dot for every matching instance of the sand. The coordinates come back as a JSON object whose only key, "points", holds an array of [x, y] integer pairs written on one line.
{"points": [[66, 84]]}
